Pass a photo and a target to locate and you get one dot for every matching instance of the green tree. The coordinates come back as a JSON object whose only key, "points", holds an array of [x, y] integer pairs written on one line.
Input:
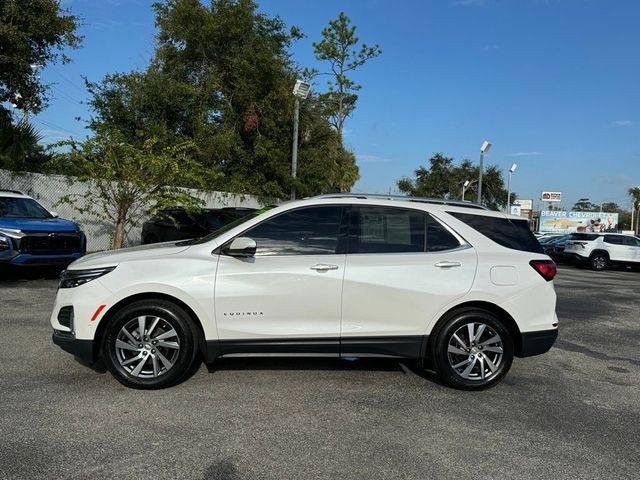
{"points": [[222, 78], [32, 32], [19, 145], [444, 179], [129, 181], [610, 207], [584, 205], [340, 48]]}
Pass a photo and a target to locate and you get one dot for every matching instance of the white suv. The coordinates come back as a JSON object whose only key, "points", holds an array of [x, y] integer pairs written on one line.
{"points": [[451, 285], [598, 250]]}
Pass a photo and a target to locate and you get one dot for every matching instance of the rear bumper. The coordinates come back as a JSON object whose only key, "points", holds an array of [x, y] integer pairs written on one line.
{"points": [[536, 343], [81, 349], [573, 258]]}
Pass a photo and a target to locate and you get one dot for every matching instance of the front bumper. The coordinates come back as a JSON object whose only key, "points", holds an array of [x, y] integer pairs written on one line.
{"points": [[81, 349], [17, 259], [537, 343]]}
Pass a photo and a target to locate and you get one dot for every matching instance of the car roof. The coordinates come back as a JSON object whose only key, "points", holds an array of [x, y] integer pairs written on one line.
{"points": [[418, 203], [12, 194]]}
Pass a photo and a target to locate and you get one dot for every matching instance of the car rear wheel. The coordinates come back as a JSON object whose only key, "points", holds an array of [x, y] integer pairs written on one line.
{"points": [[150, 344], [473, 350], [598, 261]]}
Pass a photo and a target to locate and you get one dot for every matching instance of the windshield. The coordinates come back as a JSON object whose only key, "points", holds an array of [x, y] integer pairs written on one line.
{"points": [[225, 228], [16, 207]]}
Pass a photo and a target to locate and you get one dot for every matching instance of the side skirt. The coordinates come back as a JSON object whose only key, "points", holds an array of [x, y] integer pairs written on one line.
{"points": [[411, 347]]}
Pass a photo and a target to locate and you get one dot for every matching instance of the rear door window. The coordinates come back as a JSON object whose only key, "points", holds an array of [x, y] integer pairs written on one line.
{"points": [[397, 230], [514, 234], [387, 230]]}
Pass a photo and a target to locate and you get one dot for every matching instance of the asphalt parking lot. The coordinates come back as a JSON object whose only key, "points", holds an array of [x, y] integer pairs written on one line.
{"points": [[572, 413]]}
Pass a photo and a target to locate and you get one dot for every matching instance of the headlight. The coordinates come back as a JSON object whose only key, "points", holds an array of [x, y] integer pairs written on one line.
{"points": [[4, 243], [75, 278]]}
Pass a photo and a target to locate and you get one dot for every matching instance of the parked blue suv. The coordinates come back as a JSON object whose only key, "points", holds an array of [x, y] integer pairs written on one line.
{"points": [[30, 235]]}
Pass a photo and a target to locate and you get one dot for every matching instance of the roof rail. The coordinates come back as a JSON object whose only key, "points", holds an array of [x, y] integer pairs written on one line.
{"points": [[403, 198], [11, 191]]}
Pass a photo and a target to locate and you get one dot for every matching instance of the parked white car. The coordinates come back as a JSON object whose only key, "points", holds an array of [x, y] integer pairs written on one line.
{"points": [[453, 286], [599, 250]]}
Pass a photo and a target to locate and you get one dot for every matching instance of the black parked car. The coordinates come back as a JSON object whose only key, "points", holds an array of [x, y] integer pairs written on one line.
{"points": [[555, 248], [178, 224]]}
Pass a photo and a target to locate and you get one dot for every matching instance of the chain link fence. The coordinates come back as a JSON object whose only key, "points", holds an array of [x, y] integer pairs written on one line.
{"points": [[49, 189]]}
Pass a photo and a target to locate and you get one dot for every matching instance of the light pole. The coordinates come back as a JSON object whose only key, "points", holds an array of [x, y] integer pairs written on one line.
{"points": [[464, 188], [511, 170], [633, 211], [483, 149], [300, 91]]}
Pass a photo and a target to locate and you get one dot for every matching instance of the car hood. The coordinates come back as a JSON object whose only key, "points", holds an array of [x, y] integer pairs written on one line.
{"points": [[39, 224], [110, 258]]}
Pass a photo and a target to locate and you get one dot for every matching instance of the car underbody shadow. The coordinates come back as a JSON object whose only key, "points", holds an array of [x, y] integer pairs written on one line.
{"points": [[305, 363]]}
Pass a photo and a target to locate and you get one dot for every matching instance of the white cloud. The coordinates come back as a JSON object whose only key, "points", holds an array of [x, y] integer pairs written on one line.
{"points": [[622, 123], [365, 158], [525, 154]]}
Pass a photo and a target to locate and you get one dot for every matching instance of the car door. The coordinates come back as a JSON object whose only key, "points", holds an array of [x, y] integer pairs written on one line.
{"points": [[632, 245], [287, 297], [403, 266], [613, 244]]}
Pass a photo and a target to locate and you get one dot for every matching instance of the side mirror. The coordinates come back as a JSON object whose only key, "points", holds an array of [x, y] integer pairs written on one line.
{"points": [[54, 214], [241, 247]]}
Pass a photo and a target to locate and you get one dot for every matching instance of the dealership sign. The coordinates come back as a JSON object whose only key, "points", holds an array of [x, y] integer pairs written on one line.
{"points": [[559, 221], [524, 204], [551, 196]]}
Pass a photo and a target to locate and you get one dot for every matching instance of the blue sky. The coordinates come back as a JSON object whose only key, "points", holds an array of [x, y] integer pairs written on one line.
{"points": [[553, 84]]}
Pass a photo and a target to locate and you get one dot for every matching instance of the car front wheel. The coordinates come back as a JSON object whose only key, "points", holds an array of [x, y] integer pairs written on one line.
{"points": [[473, 350], [150, 344]]}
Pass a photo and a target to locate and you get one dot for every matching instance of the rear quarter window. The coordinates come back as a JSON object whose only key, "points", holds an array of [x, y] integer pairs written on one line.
{"points": [[514, 234]]}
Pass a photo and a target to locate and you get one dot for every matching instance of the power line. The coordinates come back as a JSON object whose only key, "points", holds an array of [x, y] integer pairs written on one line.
{"points": [[66, 96], [57, 127], [83, 90]]}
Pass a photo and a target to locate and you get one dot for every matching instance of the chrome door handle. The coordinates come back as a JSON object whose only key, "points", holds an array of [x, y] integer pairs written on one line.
{"points": [[448, 264], [323, 267]]}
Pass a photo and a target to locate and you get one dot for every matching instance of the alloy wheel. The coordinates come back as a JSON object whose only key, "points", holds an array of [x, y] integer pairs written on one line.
{"points": [[475, 351], [147, 346], [599, 262]]}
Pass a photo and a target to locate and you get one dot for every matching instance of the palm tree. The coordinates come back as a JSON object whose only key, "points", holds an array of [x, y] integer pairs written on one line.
{"points": [[634, 193], [20, 147]]}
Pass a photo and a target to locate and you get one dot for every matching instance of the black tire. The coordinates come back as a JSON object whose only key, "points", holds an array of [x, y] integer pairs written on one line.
{"points": [[598, 262], [443, 360], [172, 317]]}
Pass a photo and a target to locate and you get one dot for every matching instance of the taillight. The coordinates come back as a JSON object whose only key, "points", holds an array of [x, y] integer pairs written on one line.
{"points": [[546, 268]]}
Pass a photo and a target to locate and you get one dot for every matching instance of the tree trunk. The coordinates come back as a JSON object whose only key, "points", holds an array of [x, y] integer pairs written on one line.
{"points": [[118, 234]]}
